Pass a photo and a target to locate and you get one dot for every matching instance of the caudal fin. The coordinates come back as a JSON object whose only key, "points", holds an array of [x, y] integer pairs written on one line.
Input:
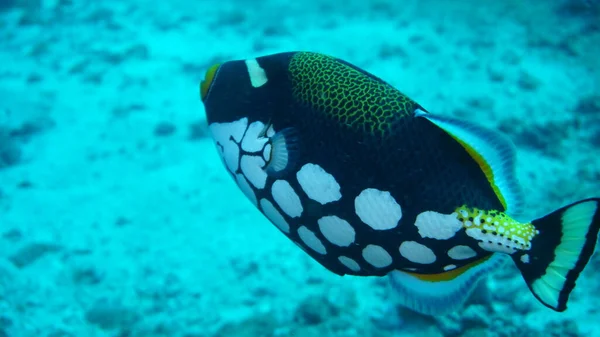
{"points": [[560, 251]]}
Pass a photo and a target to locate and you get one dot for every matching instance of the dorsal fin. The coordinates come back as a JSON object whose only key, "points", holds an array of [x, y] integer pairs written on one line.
{"points": [[493, 152]]}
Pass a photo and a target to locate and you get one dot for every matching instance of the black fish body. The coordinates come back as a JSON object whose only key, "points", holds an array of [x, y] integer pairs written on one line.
{"points": [[369, 183]]}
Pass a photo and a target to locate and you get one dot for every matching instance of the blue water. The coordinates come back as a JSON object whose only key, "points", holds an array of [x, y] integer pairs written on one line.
{"points": [[118, 219]]}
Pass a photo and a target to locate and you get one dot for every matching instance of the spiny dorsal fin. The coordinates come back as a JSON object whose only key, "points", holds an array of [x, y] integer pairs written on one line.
{"points": [[493, 152]]}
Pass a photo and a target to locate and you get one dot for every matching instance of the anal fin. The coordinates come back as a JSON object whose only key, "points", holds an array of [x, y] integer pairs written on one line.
{"points": [[440, 294]]}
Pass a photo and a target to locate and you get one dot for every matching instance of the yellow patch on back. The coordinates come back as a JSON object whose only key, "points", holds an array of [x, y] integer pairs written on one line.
{"points": [[495, 230], [449, 275], [350, 96]]}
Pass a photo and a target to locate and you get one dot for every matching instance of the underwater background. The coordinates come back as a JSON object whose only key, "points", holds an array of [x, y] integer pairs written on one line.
{"points": [[118, 219]]}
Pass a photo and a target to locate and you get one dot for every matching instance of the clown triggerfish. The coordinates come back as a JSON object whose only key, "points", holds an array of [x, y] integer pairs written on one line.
{"points": [[369, 183]]}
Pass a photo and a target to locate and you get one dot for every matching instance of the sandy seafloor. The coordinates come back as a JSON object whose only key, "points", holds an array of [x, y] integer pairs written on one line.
{"points": [[117, 218]]}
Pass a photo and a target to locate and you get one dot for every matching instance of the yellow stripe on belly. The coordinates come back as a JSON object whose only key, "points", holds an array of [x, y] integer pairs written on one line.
{"points": [[449, 275]]}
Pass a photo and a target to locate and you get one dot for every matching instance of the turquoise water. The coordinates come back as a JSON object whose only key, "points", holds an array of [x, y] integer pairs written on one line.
{"points": [[118, 219]]}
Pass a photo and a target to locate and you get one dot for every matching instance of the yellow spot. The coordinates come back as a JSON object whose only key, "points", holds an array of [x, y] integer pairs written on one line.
{"points": [[497, 228], [208, 78]]}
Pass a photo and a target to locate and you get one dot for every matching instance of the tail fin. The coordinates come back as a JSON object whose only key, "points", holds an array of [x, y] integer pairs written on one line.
{"points": [[559, 253]]}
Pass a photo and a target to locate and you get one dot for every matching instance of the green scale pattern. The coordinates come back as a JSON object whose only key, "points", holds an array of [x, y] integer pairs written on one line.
{"points": [[351, 97]]}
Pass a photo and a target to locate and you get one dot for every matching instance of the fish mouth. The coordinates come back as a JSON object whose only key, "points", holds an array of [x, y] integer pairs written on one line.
{"points": [[206, 83]]}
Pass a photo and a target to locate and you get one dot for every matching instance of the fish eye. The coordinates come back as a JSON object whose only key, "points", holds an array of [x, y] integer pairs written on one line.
{"points": [[208, 79]]}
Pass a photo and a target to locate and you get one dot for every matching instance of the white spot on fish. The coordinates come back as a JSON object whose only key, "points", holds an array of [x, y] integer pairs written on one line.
{"points": [[270, 131], [318, 184], [257, 74], [287, 199], [231, 155], [449, 267], [272, 214], [252, 167], [338, 231], [376, 256], [243, 184], [311, 240], [223, 133], [417, 253], [437, 225], [525, 258], [378, 209], [348, 262], [267, 153], [252, 142], [461, 252]]}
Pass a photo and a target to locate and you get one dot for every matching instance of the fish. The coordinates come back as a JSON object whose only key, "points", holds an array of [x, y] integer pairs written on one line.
{"points": [[369, 183]]}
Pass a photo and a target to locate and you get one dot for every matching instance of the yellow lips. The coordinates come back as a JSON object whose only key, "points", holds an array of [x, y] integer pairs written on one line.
{"points": [[208, 78]]}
